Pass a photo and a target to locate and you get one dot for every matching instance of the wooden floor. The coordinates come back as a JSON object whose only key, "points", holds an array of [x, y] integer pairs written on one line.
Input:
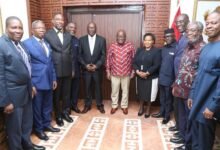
{"points": [[111, 132]]}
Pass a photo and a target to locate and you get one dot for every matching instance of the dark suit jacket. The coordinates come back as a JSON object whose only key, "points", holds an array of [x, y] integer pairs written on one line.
{"points": [[61, 53], [98, 57], [43, 73], [166, 75], [15, 82], [76, 63]]}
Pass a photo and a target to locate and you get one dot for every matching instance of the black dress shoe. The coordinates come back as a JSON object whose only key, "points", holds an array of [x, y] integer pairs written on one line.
{"points": [[86, 109], [177, 134], [59, 121], [76, 109], [158, 115], [165, 120], [141, 111], [52, 129], [42, 136], [146, 115], [182, 147], [173, 128], [66, 117], [177, 140], [101, 109], [37, 147]]}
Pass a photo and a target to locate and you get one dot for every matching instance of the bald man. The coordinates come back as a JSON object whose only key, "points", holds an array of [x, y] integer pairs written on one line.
{"points": [[119, 72], [92, 49]]}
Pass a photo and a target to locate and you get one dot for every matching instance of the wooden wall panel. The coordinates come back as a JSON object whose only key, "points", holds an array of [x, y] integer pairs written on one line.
{"points": [[34, 10], [156, 12]]}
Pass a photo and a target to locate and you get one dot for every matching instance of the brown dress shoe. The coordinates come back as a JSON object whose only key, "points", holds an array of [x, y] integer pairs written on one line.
{"points": [[113, 110], [125, 110]]}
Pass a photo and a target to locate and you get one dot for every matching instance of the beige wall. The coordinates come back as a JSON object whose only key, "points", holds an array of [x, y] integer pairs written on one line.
{"points": [[15, 8]]}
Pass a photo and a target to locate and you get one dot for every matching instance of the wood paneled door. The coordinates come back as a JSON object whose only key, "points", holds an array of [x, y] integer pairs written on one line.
{"points": [[109, 20]]}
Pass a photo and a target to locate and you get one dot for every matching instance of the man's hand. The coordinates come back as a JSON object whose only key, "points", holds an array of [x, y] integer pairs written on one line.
{"points": [[189, 103], [132, 75], [89, 67], [208, 114], [9, 108], [94, 67], [108, 75], [54, 85], [34, 91]]}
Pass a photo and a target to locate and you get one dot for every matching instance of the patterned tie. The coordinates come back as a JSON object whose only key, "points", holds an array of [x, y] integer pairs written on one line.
{"points": [[24, 57], [42, 45]]}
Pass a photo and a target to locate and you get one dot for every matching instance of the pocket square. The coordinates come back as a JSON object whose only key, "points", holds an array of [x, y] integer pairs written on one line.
{"points": [[171, 53]]}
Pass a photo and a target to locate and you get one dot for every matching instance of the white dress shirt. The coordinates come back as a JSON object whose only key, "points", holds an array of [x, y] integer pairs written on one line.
{"points": [[60, 35], [92, 43]]}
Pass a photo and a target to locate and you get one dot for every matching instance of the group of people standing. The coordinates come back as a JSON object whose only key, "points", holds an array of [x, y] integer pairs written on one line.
{"points": [[48, 65], [195, 84]]}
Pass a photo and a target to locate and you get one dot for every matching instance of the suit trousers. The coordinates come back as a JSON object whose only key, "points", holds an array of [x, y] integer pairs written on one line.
{"points": [[176, 114], [19, 126], [184, 123], [42, 109], [90, 78], [116, 82], [165, 100], [75, 91], [203, 135], [62, 93]]}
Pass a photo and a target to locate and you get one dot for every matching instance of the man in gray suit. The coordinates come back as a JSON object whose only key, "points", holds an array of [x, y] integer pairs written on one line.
{"points": [[16, 87], [61, 45]]}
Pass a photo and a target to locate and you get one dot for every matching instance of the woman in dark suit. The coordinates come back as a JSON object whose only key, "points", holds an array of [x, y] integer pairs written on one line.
{"points": [[146, 64]]}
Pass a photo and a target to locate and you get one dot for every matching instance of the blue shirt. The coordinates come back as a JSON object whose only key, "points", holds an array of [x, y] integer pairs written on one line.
{"points": [[205, 92]]}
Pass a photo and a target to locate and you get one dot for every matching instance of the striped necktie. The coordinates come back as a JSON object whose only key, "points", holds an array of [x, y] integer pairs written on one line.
{"points": [[24, 57], [43, 46]]}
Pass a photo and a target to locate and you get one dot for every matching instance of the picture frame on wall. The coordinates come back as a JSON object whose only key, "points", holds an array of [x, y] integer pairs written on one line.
{"points": [[201, 7]]}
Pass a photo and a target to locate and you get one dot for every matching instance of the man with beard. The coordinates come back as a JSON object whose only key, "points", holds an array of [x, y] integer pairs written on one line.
{"points": [[204, 99], [15, 87], [61, 45], [184, 79]]}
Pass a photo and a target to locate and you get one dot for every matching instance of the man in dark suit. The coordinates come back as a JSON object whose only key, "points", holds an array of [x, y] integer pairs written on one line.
{"points": [[71, 28], [61, 45], [16, 87], [166, 76], [43, 79], [92, 56]]}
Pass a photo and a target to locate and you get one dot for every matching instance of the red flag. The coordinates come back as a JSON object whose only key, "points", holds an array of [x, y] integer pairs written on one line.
{"points": [[177, 33]]}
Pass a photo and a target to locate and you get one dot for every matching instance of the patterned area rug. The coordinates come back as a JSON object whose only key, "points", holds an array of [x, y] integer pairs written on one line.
{"points": [[56, 138], [132, 135], [165, 135], [93, 136]]}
